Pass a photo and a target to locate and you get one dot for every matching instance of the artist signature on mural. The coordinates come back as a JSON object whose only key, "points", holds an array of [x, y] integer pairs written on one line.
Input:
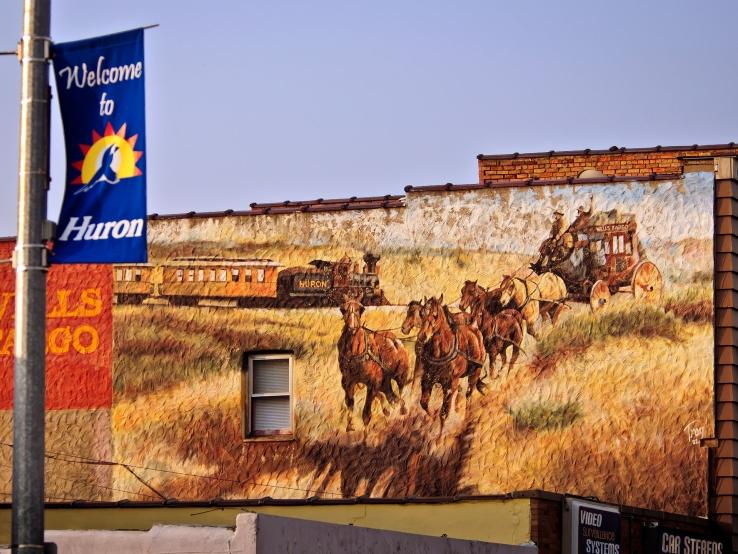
{"points": [[694, 431]]}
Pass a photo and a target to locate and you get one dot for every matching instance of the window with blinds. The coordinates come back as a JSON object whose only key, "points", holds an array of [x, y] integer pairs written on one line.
{"points": [[269, 395]]}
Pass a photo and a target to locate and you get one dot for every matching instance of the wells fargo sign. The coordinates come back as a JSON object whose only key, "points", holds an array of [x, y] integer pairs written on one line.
{"points": [[79, 335]]}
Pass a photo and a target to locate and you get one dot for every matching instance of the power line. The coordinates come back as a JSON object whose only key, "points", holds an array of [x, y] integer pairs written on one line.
{"points": [[53, 455], [93, 461], [4, 493], [91, 484]]}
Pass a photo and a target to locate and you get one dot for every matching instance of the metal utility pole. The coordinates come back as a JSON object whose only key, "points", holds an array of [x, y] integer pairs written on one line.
{"points": [[30, 263]]}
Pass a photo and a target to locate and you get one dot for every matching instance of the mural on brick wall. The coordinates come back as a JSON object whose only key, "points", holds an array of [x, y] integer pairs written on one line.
{"points": [[468, 342]]}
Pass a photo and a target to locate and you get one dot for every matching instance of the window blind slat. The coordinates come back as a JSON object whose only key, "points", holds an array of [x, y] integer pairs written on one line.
{"points": [[270, 414], [271, 376]]}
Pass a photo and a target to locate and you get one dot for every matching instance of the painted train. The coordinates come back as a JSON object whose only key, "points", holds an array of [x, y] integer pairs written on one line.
{"points": [[248, 282]]}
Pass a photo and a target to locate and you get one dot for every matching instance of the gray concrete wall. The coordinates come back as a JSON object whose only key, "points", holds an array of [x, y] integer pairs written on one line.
{"points": [[297, 536], [264, 534]]}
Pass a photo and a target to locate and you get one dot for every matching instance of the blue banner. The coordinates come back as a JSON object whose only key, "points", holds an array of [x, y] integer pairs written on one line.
{"points": [[100, 84]]}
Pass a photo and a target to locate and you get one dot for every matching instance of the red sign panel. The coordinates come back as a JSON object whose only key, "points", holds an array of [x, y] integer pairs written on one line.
{"points": [[79, 335]]}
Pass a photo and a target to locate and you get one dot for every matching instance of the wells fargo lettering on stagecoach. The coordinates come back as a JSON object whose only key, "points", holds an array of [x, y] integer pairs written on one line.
{"points": [[613, 228]]}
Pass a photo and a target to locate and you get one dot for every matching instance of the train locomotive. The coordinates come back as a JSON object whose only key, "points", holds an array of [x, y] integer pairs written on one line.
{"points": [[325, 283], [248, 282]]}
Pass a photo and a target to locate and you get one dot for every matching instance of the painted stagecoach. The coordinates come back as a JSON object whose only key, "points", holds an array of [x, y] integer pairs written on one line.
{"points": [[600, 255]]}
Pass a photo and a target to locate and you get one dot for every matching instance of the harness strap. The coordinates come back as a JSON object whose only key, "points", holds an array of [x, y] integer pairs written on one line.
{"points": [[367, 354], [451, 355]]}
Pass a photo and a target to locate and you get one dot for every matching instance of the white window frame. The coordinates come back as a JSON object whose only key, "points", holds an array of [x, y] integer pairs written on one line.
{"points": [[248, 408]]}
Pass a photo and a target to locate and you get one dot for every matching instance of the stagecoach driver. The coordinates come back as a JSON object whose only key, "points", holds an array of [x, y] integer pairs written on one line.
{"points": [[559, 226]]}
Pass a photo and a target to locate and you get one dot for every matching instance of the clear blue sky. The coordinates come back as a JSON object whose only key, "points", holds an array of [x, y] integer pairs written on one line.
{"points": [[266, 101]]}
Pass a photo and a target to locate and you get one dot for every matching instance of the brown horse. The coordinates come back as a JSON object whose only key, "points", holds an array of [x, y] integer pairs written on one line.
{"points": [[500, 328], [472, 290], [449, 353], [414, 319], [469, 292], [371, 358]]}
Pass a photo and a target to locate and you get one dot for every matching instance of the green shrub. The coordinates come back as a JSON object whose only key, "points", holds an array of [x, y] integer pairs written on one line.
{"points": [[542, 415]]}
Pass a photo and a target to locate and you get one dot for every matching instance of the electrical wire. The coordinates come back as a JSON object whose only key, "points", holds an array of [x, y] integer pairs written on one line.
{"points": [[54, 455], [46, 496], [91, 484]]}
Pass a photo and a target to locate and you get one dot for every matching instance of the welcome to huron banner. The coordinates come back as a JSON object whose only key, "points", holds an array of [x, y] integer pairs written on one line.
{"points": [[100, 84]]}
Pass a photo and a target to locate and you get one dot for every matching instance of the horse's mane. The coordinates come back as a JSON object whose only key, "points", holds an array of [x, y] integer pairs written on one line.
{"points": [[449, 319], [492, 300]]}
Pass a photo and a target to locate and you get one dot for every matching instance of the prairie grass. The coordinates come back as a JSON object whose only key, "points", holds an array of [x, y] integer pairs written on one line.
{"points": [[691, 304], [584, 329]]}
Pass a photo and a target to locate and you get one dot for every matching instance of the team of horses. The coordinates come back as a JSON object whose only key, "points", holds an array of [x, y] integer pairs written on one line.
{"points": [[449, 346]]}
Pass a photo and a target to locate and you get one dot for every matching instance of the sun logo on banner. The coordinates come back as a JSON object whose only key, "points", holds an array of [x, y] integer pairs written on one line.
{"points": [[109, 158]]}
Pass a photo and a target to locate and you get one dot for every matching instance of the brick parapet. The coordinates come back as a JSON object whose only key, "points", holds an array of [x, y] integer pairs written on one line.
{"points": [[617, 162]]}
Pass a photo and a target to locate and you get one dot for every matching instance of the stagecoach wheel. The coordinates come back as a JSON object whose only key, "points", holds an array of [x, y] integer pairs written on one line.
{"points": [[647, 282], [599, 296]]}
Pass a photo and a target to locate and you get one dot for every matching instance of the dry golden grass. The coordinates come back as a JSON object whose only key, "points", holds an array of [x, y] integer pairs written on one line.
{"points": [[692, 303], [636, 397], [617, 412]]}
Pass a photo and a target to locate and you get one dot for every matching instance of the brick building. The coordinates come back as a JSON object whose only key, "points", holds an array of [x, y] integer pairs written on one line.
{"points": [[615, 161]]}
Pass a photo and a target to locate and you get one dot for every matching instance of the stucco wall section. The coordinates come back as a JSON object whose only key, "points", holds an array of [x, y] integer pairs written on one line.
{"points": [[73, 438]]}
